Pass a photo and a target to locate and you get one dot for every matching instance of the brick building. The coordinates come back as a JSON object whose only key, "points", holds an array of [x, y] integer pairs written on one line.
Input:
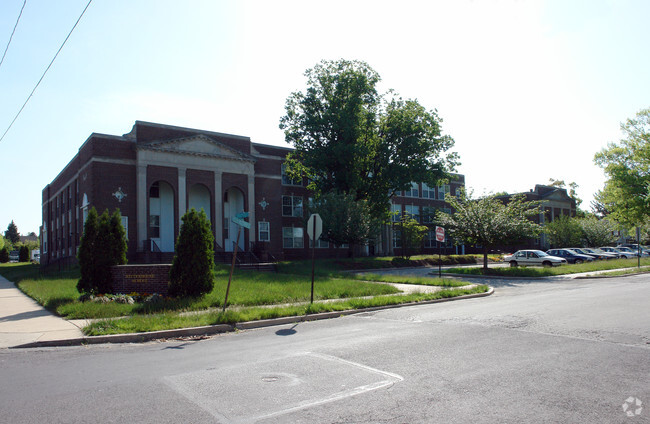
{"points": [[156, 172], [555, 202]]}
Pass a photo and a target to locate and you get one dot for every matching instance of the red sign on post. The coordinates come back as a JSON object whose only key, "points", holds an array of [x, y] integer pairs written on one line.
{"points": [[440, 234]]}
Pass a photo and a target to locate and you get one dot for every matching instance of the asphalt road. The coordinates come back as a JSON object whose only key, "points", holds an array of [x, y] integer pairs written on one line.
{"points": [[570, 351]]}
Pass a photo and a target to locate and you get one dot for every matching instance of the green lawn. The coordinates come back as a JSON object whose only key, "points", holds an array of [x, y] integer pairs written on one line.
{"points": [[253, 296], [547, 272]]}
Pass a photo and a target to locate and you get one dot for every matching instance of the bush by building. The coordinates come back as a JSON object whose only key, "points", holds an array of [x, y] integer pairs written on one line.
{"points": [[192, 268]]}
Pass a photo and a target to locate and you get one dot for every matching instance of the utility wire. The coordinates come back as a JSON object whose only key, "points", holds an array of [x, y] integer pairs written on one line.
{"points": [[47, 69], [12, 32]]}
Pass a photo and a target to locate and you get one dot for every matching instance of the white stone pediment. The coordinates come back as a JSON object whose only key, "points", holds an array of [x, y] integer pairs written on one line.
{"points": [[199, 145], [559, 195]]}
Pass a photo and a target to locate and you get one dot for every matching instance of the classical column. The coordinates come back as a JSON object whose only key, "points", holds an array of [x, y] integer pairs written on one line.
{"points": [[251, 208], [182, 193], [141, 204], [218, 209]]}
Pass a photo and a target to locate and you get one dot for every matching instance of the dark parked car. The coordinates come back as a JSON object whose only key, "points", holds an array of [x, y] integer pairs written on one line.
{"points": [[570, 256], [598, 254]]}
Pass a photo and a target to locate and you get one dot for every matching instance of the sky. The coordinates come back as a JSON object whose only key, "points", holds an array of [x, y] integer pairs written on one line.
{"points": [[529, 90]]}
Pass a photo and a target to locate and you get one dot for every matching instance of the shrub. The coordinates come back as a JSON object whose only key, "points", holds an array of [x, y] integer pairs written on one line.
{"points": [[192, 267], [23, 254], [103, 245], [4, 255]]}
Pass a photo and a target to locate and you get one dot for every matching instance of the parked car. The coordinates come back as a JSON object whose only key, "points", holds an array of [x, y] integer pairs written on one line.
{"points": [[620, 253], [533, 257], [633, 252], [634, 248], [596, 253], [571, 256]]}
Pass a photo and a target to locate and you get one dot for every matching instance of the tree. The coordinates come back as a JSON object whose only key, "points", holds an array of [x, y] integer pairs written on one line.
{"points": [[597, 232], [350, 139], [573, 186], [103, 245], [192, 268], [564, 231], [489, 222], [88, 253], [345, 220], [12, 233], [627, 166], [4, 255], [412, 235], [23, 254]]}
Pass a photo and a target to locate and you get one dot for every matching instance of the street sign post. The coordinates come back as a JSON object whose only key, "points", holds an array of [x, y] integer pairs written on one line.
{"points": [[239, 220], [440, 238], [314, 230]]}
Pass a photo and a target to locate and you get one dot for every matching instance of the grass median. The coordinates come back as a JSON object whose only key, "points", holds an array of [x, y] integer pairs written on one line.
{"points": [[253, 296], [529, 271]]}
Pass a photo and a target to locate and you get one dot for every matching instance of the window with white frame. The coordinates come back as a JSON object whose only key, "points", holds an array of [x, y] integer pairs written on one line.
{"points": [[428, 214], [430, 239], [442, 191], [292, 237], [292, 206], [320, 243], [397, 238], [414, 191], [125, 225], [396, 214], [264, 231], [287, 180], [412, 211], [428, 192]]}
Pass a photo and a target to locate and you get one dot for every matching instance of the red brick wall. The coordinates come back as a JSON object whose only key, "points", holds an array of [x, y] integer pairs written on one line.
{"points": [[141, 279]]}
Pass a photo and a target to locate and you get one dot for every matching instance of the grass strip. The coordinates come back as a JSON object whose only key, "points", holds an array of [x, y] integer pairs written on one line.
{"points": [[522, 271], [170, 320]]}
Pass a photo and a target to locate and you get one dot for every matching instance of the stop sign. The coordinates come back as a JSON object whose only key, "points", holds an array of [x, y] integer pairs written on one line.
{"points": [[440, 234]]}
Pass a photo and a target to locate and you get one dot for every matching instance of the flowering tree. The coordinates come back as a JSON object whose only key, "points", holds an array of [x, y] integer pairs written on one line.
{"points": [[489, 222], [598, 232]]}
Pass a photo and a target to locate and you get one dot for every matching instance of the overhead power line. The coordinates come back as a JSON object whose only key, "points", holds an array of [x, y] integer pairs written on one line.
{"points": [[47, 69], [12, 32]]}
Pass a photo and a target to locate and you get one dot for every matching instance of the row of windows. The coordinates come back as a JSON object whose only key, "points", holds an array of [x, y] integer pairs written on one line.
{"points": [[429, 240], [427, 192], [427, 217]]}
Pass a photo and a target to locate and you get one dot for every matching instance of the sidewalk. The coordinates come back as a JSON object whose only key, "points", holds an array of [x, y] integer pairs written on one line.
{"points": [[22, 320]]}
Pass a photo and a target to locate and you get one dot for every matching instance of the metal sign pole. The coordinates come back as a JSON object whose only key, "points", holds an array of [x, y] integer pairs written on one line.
{"points": [[313, 262], [232, 268]]}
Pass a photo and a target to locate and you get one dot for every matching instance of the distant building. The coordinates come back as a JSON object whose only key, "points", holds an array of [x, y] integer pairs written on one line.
{"points": [[156, 172], [555, 203]]}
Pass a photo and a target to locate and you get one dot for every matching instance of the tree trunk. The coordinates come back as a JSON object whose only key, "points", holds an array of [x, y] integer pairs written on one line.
{"points": [[485, 258]]}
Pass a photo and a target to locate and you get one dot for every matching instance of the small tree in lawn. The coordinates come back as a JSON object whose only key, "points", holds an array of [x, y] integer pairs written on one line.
{"points": [[193, 264], [4, 255], [489, 222], [23, 254], [598, 232], [103, 245], [412, 234], [88, 253]]}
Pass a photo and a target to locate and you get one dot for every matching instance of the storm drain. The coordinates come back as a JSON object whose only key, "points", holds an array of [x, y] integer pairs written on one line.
{"points": [[262, 390]]}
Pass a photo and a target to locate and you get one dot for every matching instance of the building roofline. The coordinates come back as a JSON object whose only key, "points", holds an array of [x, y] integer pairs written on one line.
{"points": [[205, 132]]}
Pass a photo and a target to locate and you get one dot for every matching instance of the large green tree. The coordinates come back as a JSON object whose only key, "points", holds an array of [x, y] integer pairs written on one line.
{"points": [[489, 222], [345, 220], [350, 139], [627, 167], [12, 233]]}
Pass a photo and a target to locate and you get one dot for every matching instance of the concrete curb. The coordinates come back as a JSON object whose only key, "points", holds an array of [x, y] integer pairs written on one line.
{"points": [[225, 328]]}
